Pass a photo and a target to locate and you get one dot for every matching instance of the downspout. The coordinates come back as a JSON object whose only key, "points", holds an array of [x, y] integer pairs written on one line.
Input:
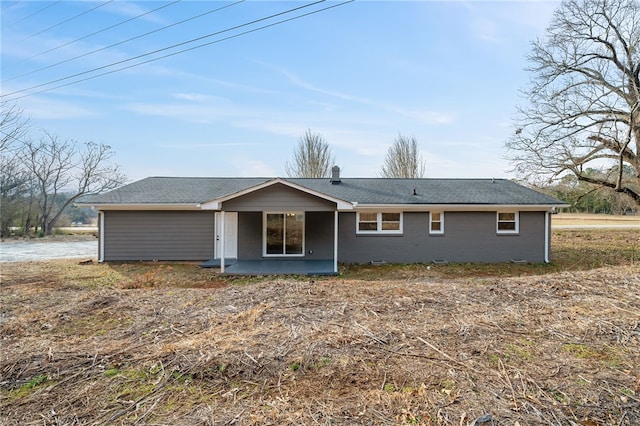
{"points": [[222, 248], [335, 242], [100, 236], [547, 236]]}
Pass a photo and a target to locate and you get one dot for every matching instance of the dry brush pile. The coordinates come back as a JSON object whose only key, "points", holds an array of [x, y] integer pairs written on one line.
{"points": [[559, 348]]}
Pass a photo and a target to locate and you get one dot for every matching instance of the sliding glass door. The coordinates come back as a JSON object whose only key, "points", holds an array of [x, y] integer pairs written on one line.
{"points": [[284, 234]]}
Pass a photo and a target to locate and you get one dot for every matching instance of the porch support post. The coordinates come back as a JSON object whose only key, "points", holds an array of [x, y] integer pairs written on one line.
{"points": [[100, 236], [335, 242], [222, 242]]}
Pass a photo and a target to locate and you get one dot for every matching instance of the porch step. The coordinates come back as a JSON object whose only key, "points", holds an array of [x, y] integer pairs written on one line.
{"points": [[215, 263]]}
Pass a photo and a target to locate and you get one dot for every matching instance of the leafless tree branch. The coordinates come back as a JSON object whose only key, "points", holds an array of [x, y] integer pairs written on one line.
{"points": [[582, 109], [403, 159], [312, 157]]}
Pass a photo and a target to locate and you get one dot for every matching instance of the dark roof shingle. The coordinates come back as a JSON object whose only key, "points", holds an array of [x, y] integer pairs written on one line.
{"points": [[196, 190]]}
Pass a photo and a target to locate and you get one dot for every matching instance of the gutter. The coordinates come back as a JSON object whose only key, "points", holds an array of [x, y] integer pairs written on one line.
{"points": [[150, 206]]}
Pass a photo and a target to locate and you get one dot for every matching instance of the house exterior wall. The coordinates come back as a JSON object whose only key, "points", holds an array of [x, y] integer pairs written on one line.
{"points": [[161, 235], [189, 235], [318, 235], [468, 237], [249, 235], [278, 198]]}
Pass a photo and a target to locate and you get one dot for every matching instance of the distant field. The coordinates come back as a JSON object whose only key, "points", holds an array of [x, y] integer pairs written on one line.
{"points": [[573, 219]]}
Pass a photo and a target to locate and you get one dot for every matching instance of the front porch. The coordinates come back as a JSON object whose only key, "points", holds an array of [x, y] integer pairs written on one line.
{"points": [[275, 267]]}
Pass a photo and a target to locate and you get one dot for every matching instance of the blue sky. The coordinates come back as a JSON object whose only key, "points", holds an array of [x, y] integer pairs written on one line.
{"points": [[446, 72]]}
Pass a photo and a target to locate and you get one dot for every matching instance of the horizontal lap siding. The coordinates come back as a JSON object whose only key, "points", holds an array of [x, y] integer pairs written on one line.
{"points": [[278, 197], [249, 235], [468, 237], [158, 235], [319, 234]]}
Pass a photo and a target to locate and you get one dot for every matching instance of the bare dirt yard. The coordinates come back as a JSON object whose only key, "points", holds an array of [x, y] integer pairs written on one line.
{"points": [[151, 343]]}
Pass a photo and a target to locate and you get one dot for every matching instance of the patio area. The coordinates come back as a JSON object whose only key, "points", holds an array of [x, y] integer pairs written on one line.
{"points": [[274, 267]]}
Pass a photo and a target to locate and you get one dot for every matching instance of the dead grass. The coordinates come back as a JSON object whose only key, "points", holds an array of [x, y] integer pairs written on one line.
{"points": [[175, 344]]}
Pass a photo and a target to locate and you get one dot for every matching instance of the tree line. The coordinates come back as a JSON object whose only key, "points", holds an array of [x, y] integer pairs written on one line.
{"points": [[585, 197], [41, 175]]}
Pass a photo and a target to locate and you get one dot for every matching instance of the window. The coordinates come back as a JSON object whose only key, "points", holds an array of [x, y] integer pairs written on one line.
{"points": [[436, 222], [284, 234], [367, 222], [379, 223], [507, 222]]}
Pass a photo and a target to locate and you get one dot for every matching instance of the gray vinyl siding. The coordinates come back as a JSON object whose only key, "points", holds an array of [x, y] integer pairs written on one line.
{"points": [[158, 235], [318, 235], [278, 198], [249, 235], [319, 232], [468, 237]]}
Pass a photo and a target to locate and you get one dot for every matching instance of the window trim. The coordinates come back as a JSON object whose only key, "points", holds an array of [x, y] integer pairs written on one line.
{"points": [[441, 221], [516, 221], [264, 234], [379, 230]]}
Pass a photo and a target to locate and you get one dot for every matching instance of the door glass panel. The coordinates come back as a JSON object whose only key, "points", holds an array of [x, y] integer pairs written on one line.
{"points": [[275, 233], [294, 223]]}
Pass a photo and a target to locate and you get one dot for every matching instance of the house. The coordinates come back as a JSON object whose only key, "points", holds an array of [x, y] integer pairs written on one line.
{"points": [[298, 225]]}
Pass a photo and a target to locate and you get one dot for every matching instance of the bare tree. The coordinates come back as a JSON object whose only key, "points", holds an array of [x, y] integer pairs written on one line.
{"points": [[13, 126], [312, 157], [66, 166], [14, 179], [403, 159], [583, 108]]}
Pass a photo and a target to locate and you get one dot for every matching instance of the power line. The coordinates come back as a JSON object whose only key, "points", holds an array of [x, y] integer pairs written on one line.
{"points": [[34, 13], [125, 41], [12, 4], [68, 19], [163, 49], [178, 52], [101, 31]]}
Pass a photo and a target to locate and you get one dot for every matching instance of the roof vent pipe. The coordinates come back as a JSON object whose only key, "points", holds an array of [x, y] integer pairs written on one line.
{"points": [[335, 175]]}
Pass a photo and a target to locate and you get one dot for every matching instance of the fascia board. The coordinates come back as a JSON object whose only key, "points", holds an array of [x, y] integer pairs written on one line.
{"points": [[149, 206], [217, 203], [458, 207]]}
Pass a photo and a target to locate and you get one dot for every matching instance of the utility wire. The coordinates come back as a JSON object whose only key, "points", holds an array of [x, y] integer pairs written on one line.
{"points": [[98, 32], [162, 50], [34, 13], [12, 4], [68, 20], [125, 41], [176, 53]]}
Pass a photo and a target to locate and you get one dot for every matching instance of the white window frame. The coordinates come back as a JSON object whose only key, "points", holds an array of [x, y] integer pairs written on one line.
{"points": [[379, 230], [516, 215], [264, 235], [441, 221]]}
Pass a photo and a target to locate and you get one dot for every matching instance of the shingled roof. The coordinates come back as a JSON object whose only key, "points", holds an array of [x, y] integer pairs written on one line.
{"points": [[363, 191]]}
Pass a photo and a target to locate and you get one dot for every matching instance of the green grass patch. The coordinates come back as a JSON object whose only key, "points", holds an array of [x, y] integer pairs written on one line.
{"points": [[28, 388]]}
